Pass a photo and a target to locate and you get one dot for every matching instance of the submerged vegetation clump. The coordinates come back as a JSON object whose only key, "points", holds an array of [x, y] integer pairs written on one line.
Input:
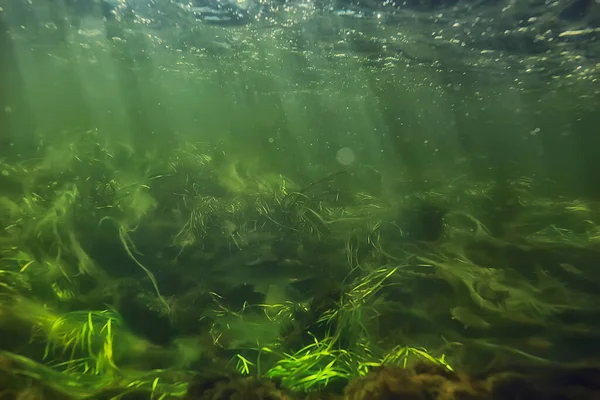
{"points": [[126, 273]]}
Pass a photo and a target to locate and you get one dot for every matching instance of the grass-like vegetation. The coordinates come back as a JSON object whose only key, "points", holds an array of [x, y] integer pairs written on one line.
{"points": [[309, 283]]}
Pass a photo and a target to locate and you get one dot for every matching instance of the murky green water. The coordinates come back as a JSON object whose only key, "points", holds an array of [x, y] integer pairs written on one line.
{"points": [[176, 193]]}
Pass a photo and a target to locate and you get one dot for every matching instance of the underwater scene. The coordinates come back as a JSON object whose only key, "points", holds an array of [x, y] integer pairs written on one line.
{"points": [[300, 199]]}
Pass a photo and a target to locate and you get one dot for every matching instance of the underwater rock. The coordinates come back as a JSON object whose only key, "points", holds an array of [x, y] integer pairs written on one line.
{"points": [[433, 382], [222, 387], [546, 382], [424, 382]]}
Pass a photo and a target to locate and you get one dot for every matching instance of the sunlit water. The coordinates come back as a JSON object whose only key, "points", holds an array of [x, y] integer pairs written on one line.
{"points": [[402, 97]]}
